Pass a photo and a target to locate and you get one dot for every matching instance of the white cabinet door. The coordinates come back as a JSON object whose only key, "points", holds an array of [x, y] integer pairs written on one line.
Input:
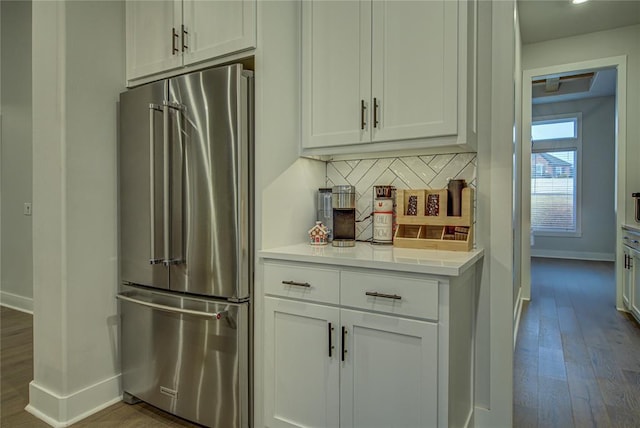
{"points": [[414, 69], [336, 69], [627, 277], [151, 45], [301, 378], [634, 293], [389, 375], [217, 28]]}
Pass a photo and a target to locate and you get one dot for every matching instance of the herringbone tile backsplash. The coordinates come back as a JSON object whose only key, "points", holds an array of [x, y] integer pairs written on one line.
{"points": [[411, 172]]}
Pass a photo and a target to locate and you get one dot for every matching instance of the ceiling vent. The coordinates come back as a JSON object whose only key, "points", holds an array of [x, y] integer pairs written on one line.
{"points": [[562, 85]]}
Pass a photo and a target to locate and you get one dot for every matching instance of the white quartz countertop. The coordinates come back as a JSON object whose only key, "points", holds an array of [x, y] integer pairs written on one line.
{"points": [[364, 255]]}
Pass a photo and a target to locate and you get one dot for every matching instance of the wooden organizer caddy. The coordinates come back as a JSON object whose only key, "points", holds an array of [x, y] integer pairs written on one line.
{"points": [[440, 232]]}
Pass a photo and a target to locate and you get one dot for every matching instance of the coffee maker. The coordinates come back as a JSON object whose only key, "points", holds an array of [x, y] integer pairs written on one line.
{"points": [[343, 201]]}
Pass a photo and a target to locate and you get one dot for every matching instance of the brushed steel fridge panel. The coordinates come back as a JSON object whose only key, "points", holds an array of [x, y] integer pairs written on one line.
{"points": [[211, 183], [193, 364], [138, 245]]}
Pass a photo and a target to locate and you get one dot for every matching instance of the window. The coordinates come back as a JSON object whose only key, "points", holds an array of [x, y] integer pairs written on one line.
{"points": [[555, 171], [554, 129]]}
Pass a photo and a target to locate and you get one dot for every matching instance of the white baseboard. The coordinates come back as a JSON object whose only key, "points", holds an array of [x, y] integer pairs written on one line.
{"points": [[574, 255], [517, 311], [62, 411], [17, 302]]}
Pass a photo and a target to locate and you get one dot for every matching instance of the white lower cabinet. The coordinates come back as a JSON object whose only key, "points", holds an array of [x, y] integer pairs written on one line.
{"points": [[627, 277], [384, 353], [631, 281], [389, 376], [634, 293], [301, 377]]}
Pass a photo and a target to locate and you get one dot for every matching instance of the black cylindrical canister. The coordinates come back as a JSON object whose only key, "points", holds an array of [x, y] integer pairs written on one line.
{"points": [[454, 197]]}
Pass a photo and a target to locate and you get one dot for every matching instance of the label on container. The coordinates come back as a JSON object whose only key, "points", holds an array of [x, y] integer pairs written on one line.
{"points": [[383, 221]]}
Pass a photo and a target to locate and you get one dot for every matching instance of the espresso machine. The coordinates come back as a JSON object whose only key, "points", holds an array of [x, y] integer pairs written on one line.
{"points": [[343, 201]]}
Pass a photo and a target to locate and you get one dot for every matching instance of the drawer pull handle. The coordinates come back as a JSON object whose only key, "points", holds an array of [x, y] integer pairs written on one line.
{"points": [[299, 284], [386, 296]]}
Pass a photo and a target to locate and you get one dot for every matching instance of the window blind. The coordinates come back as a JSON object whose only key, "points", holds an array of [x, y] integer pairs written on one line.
{"points": [[553, 191]]}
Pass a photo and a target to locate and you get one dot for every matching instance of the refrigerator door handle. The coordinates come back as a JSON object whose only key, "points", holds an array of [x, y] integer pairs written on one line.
{"points": [[167, 106], [165, 308], [166, 203], [153, 108]]}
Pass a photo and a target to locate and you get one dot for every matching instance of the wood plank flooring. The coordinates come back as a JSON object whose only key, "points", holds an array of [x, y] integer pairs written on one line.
{"points": [[16, 371], [577, 359]]}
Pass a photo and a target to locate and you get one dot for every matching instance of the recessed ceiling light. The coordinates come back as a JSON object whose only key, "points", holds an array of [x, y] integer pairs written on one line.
{"points": [[579, 1]]}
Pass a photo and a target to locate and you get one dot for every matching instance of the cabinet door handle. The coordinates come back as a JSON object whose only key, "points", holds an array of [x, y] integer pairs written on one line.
{"points": [[330, 340], [625, 261], [375, 113], [363, 109], [174, 39], [344, 341], [184, 34], [386, 296], [298, 284]]}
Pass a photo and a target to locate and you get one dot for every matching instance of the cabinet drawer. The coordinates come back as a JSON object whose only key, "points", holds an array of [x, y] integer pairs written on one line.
{"points": [[392, 294], [302, 282]]}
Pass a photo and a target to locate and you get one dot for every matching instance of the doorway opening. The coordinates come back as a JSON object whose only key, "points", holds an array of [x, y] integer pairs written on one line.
{"points": [[573, 345], [573, 186]]}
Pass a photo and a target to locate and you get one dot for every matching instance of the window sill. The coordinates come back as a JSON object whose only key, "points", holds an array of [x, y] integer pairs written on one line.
{"points": [[554, 234]]}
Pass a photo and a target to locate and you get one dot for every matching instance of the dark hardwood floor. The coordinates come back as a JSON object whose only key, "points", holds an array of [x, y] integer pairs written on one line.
{"points": [[16, 371], [577, 359]]}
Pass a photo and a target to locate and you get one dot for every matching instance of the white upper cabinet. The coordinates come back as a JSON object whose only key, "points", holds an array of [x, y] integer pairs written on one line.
{"points": [[414, 69], [336, 59], [387, 72], [217, 28], [151, 45], [165, 35]]}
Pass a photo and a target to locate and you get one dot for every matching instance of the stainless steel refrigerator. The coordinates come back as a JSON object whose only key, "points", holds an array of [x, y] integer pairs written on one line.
{"points": [[185, 187]]}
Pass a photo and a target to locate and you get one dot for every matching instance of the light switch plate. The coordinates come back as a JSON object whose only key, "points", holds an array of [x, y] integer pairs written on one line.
{"points": [[27, 208]]}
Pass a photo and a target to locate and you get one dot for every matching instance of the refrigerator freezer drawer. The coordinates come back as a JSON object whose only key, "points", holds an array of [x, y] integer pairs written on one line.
{"points": [[187, 356]]}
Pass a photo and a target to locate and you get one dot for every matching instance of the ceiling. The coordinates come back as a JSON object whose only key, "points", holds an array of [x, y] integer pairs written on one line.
{"points": [[542, 20], [569, 87]]}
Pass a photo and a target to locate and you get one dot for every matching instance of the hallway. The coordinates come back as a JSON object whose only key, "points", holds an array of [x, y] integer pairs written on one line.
{"points": [[577, 359]]}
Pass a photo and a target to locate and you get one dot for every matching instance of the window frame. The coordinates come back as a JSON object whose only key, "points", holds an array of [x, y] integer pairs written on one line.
{"points": [[558, 145]]}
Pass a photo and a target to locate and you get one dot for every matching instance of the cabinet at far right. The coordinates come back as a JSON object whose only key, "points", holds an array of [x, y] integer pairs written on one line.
{"points": [[631, 270], [388, 75]]}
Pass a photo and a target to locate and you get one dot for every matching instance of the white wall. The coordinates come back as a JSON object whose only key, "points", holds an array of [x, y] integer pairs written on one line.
{"points": [[518, 264], [285, 183], [78, 73], [604, 44], [16, 286], [494, 333], [598, 182]]}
